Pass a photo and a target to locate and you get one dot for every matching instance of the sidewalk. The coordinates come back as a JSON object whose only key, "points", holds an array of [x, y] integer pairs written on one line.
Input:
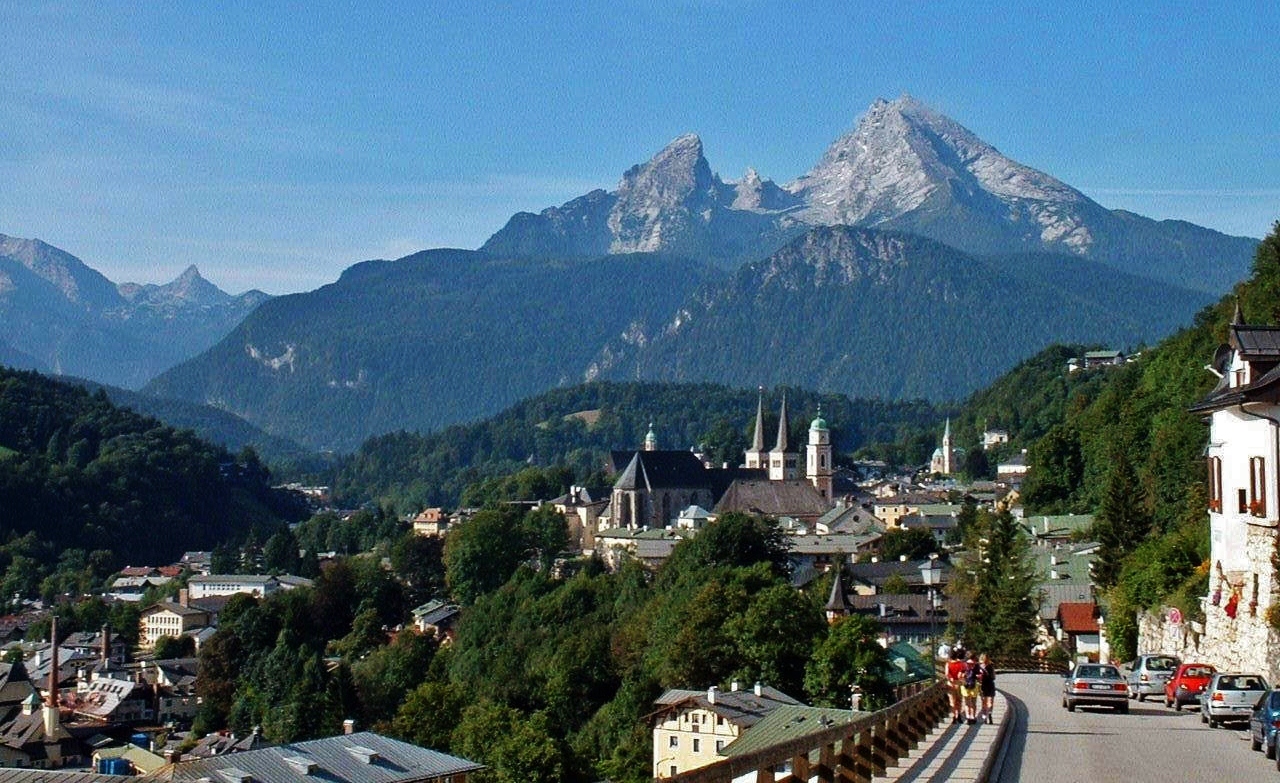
{"points": [[955, 751]]}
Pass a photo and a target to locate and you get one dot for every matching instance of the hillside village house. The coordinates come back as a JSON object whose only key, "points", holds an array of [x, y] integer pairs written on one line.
{"points": [[692, 728], [168, 618], [257, 585]]}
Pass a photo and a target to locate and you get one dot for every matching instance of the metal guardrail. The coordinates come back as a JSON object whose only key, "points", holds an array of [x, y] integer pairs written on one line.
{"points": [[854, 751]]}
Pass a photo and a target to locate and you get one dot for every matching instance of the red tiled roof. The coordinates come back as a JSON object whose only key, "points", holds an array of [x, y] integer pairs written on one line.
{"points": [[1078, 617]]}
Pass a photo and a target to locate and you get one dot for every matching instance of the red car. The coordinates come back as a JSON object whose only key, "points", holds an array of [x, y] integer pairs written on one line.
{"points": [[1186, 685]]}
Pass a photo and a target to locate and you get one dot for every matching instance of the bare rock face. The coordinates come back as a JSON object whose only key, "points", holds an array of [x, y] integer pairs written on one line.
{"points": [[905, 167], [904, 156]]}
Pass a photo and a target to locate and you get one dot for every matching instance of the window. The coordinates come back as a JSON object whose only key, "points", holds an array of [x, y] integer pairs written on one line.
{"points": [[719, 745], [673, 742], [1242, 501], [1257, 487], [1215, 484], [719, 720], [673, 770], [697, 745]]}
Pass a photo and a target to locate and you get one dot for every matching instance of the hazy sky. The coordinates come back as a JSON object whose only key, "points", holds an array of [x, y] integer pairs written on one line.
{"points": [[274, 144]]}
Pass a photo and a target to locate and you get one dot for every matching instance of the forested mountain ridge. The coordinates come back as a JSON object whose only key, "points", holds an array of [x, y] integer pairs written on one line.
{"points": [[59, 315], [78, 473], [884, 314], [432, 339]]}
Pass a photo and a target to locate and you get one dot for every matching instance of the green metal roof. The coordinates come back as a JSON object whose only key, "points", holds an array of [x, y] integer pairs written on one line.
{"points": [[787, 723]]}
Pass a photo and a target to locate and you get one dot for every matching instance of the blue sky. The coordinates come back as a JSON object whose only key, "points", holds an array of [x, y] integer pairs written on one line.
{"points": [[275, 144]]}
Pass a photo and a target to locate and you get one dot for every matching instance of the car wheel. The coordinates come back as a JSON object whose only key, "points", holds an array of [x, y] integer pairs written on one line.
{"points": [[1142, 697], [1203, 718], [1254, 742], [1270, 750], [1177, 706], [1213, 723], [1167, 702], [1123, 708], [1071, 706]]}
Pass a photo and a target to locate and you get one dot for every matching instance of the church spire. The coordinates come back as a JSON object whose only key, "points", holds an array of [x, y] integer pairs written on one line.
{"points": [[650, 439], [757, 442], [1237, 318], [837, 603], [781, 445]]}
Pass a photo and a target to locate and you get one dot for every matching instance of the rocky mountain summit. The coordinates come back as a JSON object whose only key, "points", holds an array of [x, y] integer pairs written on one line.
{"points": [[904, 166], [59, 314]]}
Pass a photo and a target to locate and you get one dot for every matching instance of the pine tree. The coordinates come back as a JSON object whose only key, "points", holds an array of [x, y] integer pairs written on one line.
{"points": [[1004, 613], [1123, 521]]}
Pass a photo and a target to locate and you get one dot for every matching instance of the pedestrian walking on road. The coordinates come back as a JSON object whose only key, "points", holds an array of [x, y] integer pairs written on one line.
{"points": [[987, 685]]}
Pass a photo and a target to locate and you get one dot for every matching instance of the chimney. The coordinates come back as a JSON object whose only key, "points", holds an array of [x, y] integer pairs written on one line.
{"points": [[106, 645], [711, 695], [184, 596], [51, 722], [735, 686], [348, 726], [759, 689]]}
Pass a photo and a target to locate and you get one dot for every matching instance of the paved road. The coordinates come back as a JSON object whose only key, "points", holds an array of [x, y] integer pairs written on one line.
{"points": [[1095, 745]]}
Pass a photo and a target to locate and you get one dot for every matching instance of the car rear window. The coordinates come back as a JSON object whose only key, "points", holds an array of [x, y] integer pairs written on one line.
{"points": [[1275, 700], [1162, 664], [1240, 684], [1197, 671]]}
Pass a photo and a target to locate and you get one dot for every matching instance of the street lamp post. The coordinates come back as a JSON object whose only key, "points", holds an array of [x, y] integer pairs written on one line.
{"points": [[931, 576]]}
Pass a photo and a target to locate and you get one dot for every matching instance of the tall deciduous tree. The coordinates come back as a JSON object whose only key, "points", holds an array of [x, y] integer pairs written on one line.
{"points": [[850, 654], [482, 553]]}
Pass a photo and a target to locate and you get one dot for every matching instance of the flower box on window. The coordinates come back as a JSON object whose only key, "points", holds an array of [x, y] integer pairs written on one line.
{"points": [[1258, 508], [1216, 505]]}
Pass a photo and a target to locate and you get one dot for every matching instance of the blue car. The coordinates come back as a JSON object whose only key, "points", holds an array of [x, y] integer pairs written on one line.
{"points": [[1264, 722]]}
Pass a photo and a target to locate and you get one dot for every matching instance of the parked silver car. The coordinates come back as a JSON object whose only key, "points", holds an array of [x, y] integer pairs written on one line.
{"points": [[1096, 684], [1149, 674], [1231, 697]]}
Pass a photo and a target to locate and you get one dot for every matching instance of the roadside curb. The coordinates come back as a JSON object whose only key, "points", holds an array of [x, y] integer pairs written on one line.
{"points": [[995, 761]]}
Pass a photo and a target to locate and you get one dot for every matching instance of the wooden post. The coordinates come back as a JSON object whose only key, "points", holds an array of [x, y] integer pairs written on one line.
{"points": [[826, 769], [800, 768], [853, 769]]}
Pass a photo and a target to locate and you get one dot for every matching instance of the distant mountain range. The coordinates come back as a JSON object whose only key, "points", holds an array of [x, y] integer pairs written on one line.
{"points": [[448, 336], [912, 260], [904, 167], [60, 316]]}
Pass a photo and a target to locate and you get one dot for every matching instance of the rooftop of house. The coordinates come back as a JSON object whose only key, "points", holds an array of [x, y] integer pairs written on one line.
{"points": [[743, 708], [788, 722], [910, 608], [1078, 617], [796, 498], [832, 544], [363, 757]]}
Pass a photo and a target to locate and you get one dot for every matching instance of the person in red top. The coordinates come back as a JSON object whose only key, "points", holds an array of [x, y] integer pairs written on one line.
{"points": [[955, 679]]}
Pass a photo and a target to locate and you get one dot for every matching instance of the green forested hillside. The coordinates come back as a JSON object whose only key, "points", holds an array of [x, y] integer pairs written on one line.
{"points": [[1128, 449], [436, 338], [578, 426], [896, 316], [78, 473]]}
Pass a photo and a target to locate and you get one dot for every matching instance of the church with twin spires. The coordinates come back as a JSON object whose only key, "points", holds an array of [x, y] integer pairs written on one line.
{"points": [[654, 486]]}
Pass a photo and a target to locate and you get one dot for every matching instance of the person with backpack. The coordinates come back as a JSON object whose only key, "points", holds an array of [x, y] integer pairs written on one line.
{"points": [[970, 688], [987, 685]]}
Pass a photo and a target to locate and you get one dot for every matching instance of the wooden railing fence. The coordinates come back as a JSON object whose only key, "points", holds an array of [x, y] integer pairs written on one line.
{"points": [[852, 752]]}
